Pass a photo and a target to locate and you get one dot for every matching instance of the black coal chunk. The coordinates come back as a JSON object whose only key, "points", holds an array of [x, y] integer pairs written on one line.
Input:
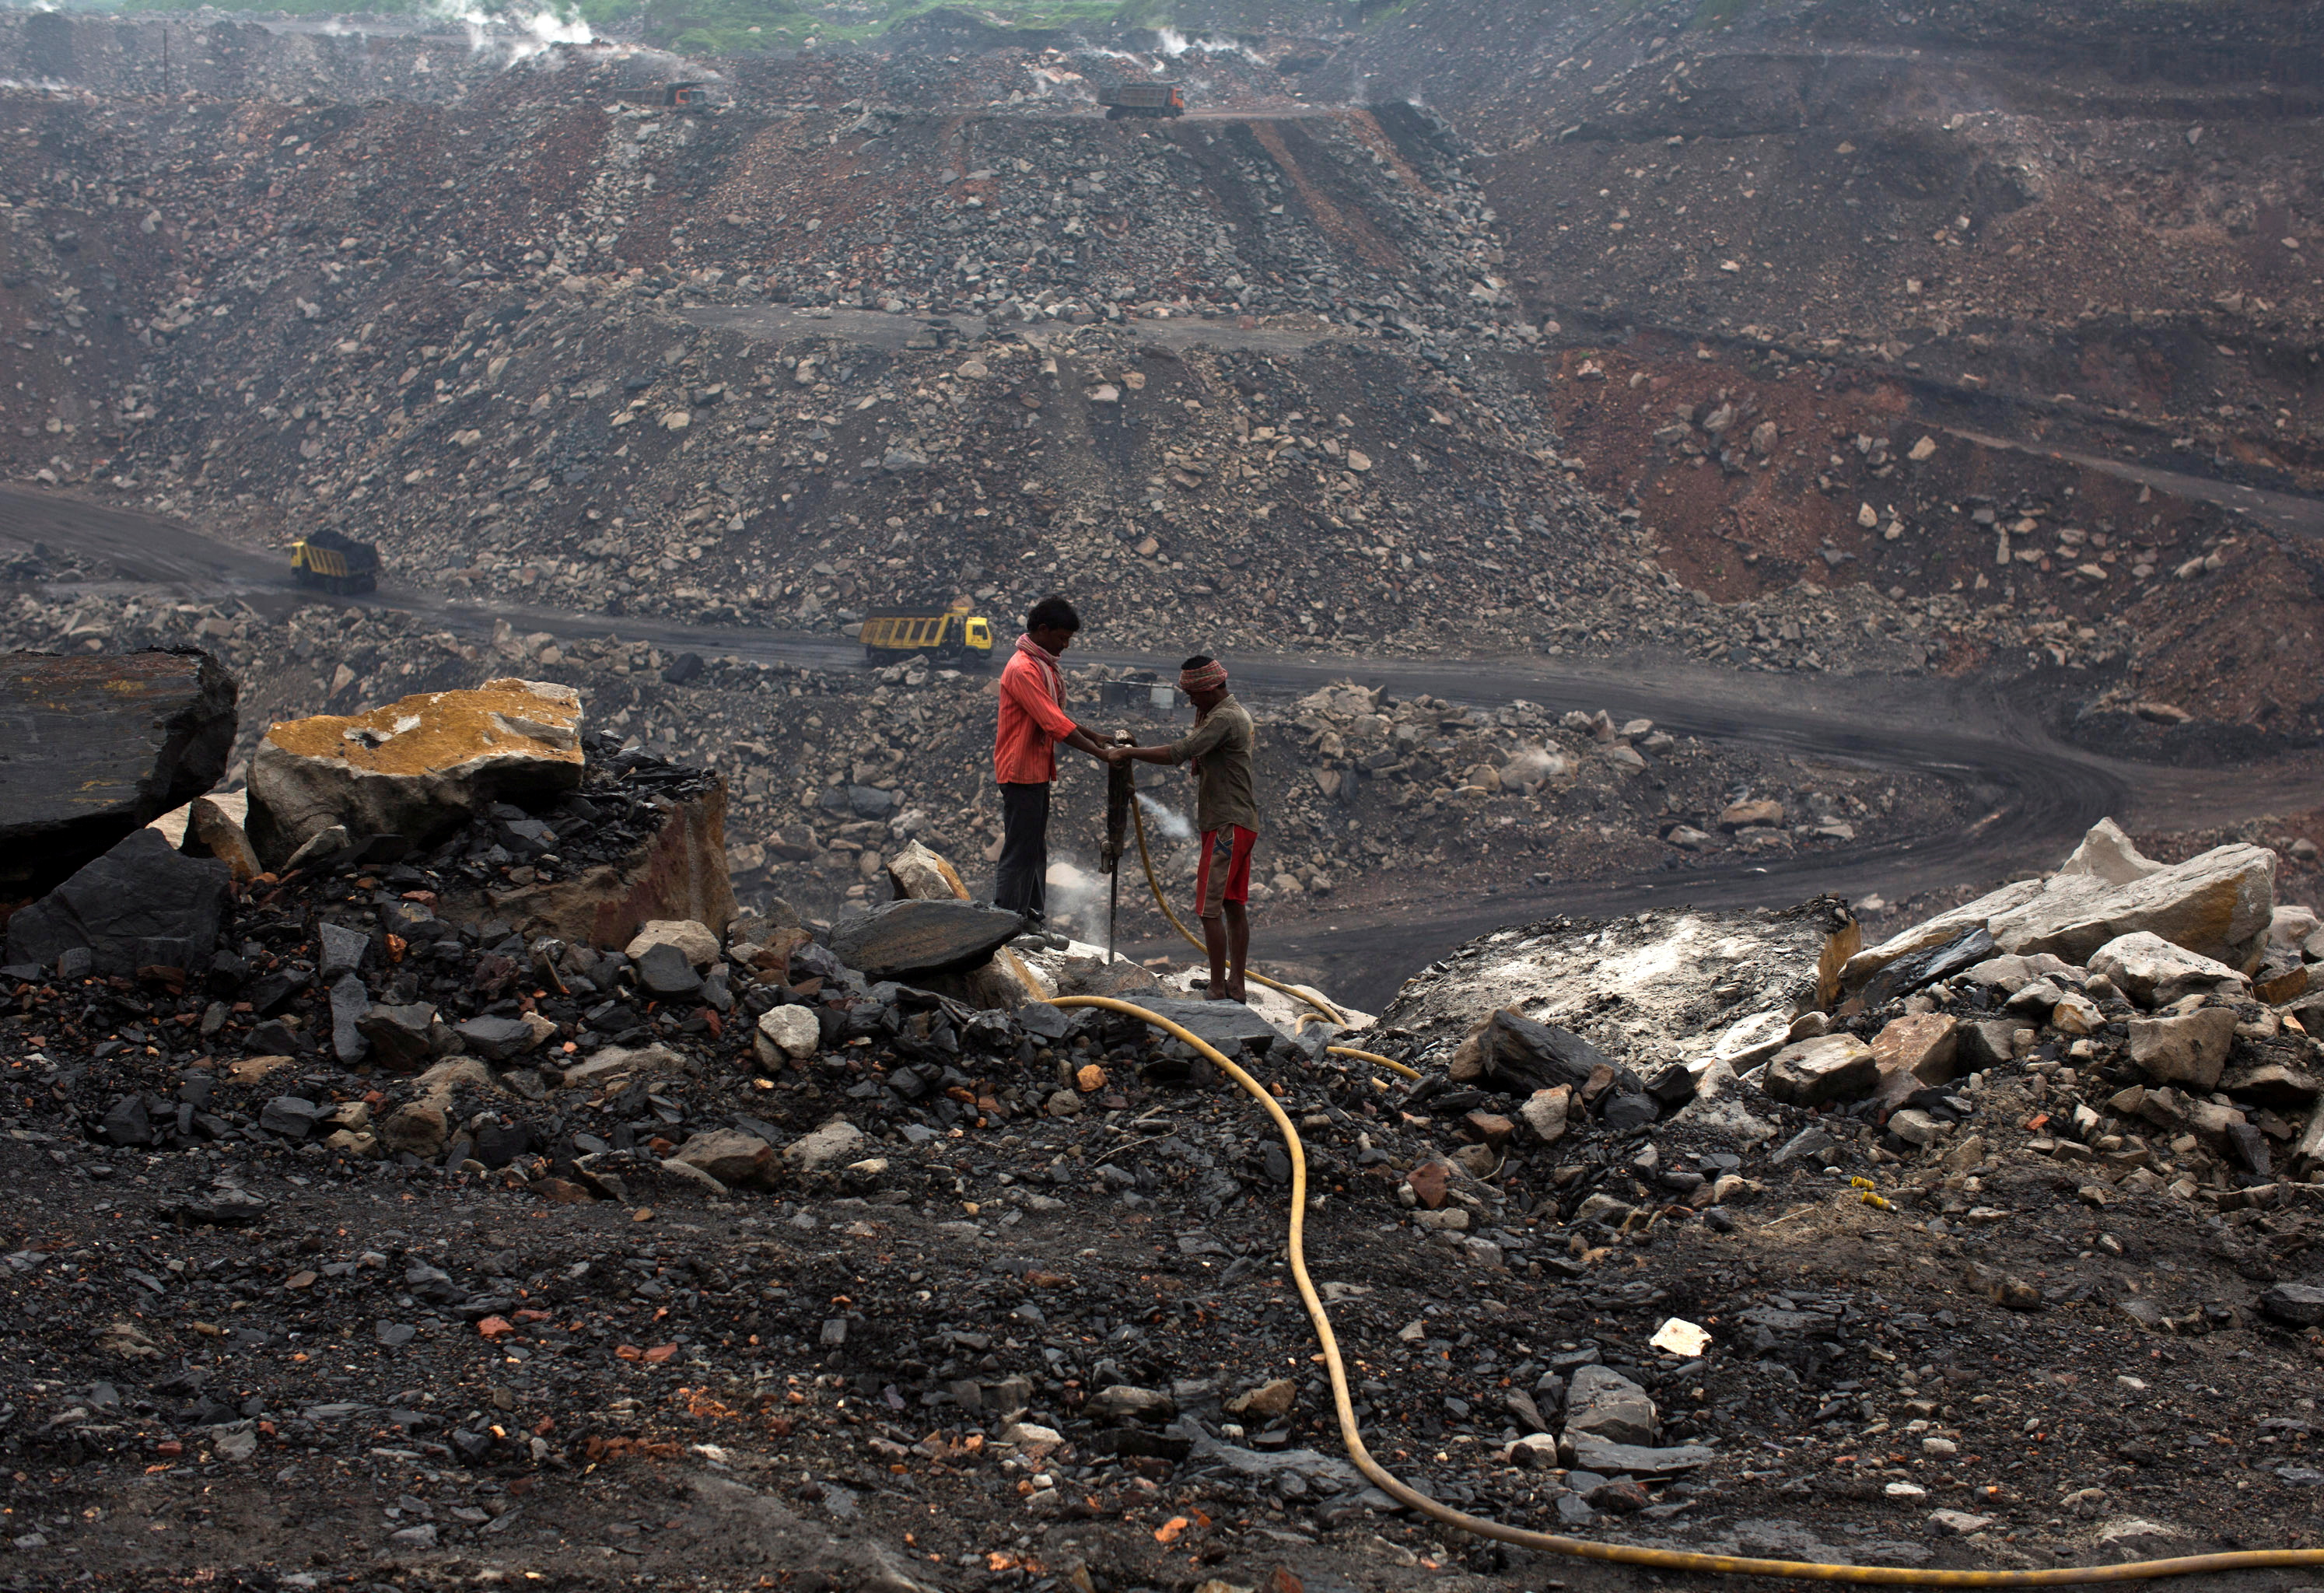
{"points": [[906, 940], [100, 745], [140, 904]]}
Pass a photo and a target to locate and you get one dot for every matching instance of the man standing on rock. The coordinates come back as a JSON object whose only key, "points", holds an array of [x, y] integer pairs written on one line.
{"points": [[1033, 720], [1225, 811]]}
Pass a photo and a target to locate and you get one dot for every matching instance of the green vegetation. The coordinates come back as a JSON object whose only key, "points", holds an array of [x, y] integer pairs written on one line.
{"points": [[728, 27]]}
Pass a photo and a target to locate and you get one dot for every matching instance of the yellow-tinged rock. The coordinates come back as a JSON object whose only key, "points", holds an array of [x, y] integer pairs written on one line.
{"points": [[418, 767]]}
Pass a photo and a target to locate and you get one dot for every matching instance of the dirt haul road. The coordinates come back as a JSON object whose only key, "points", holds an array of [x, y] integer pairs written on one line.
{"points": [[2034, 794]]}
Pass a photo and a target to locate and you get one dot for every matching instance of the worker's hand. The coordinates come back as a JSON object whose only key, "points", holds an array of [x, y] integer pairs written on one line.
{"points": [[1113, 755]]}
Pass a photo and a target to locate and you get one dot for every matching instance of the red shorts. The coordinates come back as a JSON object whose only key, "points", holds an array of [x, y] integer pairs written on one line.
{"points": [[1226, 872]]}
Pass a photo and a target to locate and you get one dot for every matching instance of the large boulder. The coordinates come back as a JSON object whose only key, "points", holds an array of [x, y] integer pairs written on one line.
{"points": [[419, 767], [2217, 904], [904, 940], [93, 746], [141, 904]]}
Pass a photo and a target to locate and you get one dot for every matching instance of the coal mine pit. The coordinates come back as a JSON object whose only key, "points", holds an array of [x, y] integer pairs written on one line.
{"points": [[1772, 555]]}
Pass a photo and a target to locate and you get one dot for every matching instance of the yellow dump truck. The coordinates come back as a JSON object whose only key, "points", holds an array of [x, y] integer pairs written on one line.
{"points": [[952, 633], [334, 563]]}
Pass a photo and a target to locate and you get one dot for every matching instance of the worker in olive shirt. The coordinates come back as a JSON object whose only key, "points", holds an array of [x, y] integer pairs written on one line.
{"points": [[1219, 747]]}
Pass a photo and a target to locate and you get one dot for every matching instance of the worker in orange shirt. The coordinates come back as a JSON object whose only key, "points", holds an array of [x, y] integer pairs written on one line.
{"points": [[1033, 720]]}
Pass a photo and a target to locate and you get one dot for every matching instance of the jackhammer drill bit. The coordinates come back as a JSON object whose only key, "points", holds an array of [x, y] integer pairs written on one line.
{"points": [[1120, 791]]}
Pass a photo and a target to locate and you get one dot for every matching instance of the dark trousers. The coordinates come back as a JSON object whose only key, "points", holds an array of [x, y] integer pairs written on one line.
{"points": [[1024, 848]]}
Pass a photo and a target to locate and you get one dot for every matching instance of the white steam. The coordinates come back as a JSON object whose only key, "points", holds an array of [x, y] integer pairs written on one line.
{"points": [[1176, 44], [1169, 820], [1072, 892], [515, 34]]}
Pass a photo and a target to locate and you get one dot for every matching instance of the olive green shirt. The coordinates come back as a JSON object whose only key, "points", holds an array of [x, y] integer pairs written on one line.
{"points": [[1220, 745]]}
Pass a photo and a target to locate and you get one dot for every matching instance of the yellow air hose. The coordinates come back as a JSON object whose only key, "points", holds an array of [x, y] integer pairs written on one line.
{"points": [[1673, 1559], [1331, 1013]]}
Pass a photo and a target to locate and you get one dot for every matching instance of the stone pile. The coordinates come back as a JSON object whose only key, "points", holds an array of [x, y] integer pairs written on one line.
{"points": [[654, 1167], [809, 389], [829, 774]]}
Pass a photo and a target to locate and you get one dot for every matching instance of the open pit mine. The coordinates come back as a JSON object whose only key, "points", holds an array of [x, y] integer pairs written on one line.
{"points": [[556, 1030]]}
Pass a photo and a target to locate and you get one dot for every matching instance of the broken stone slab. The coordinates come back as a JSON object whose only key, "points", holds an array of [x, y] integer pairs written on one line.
{"points": [[1226, 1025], [1935, 932], [619, 1062], [836, 1141], [1608, 1459], [686, 1174], [2279, 978], [2008, 972], [1828, 1067], [2281, 1085], [1988, 1043], [732, 1156], [2188, 1048], [419, 767], [903, 940], [2217, 904], [1124, 1401], [93, 746], [349, 1002], [291, 1116], [2153, 972], [693, 941], [1604, 1403], [2307, 1151], [1927, 966], [1515, 1054], [1327, 1471], [140, 904], [664, 972], [1924, 1045], [2295, 1305], [402, 1034], [495, 1039], [419, 1128], [917, 873], [343, 950], [677, 873]]}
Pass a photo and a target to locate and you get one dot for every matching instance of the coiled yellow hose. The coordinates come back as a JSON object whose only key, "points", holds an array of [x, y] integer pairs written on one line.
{"points": [[1629, 1553]]}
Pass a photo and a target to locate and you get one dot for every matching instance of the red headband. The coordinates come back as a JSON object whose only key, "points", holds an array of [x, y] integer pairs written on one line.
{"points": [[1202, 679]]}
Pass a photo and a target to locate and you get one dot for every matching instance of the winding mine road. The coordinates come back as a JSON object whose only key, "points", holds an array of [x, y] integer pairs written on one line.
{"points": [[2034, 793]]}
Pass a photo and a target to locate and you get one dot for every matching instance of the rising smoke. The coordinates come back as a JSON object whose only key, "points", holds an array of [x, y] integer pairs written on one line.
{"points": [[516, 34], [1176, 44]]}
